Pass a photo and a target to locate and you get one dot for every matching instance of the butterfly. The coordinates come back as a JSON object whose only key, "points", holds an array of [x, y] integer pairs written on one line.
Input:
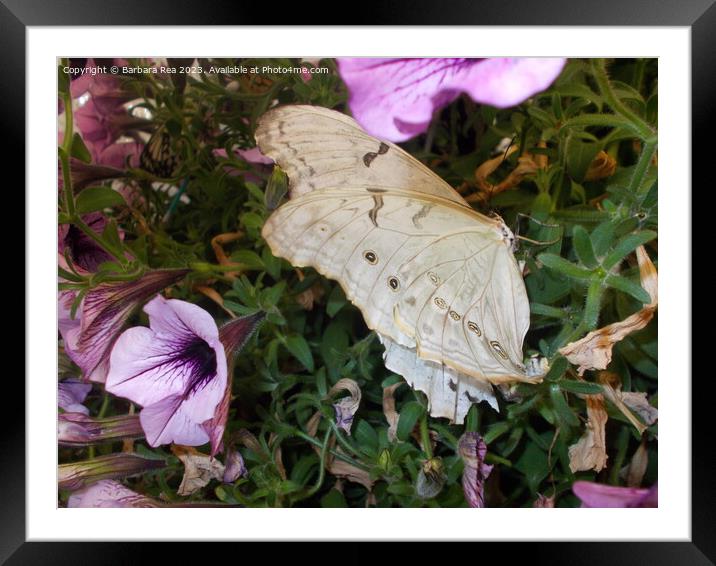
{"points": [[158, 156], [436, 280]]}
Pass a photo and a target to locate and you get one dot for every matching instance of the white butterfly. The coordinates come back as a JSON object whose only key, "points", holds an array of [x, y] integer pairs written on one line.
{"points": [[436, 280]]}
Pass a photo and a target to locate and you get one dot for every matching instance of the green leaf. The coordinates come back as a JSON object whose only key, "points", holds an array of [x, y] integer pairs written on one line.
{"points": [[579, 155], [298, 346], [560, 406], [602, 237], [546, 310], [561, 265], [110, 235], [583, 247], [593, 303], [336, 301], [333, 499], [580, 387], [534, 465], [366, 437], [98, 198], [248, 258], [557, 369], [627, 245], [79, 149], [629, 287], [409, 415], [335, 341], [495, 431], [600, 121]]}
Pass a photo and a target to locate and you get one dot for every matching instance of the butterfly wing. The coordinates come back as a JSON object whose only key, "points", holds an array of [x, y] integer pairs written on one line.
{"points": [[158, 156], [436, 280], [428, 277], [320, 148]]}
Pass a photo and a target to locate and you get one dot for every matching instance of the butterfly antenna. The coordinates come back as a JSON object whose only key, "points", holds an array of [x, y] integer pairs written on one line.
{"points": [[537, 242], [545, 224]]}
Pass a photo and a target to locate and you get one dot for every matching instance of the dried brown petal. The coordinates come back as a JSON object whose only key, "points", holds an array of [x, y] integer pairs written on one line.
{"points": [[634, 472], [594, 351], [199, 469], [391, 415], [590, 451]]}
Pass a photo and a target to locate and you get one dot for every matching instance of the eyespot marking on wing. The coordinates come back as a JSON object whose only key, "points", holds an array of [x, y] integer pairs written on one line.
{"points": [[474, 328], [499, 349], [370, 256], [393, 283], [440, 302]]}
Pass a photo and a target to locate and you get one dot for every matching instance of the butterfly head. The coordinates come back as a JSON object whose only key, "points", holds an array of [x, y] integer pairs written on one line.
{"points": [[507, 236]]}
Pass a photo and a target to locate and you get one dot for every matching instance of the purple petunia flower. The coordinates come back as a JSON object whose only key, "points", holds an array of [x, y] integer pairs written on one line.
{"points": [[76, 429], [71, 394], [102, 315], [176, 369], [77, 475], [601, 495], [110, 493], [395, 99], [85, 253], [472, 450]]}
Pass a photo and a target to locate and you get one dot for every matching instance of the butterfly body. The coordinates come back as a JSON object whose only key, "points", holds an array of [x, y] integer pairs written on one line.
{"points": [[435, 279]]}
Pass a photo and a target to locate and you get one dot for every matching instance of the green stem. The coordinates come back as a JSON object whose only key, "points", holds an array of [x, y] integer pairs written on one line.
{"points": [[425, 436], [341, 439], [340, 456], [322, 469], [67, 151], [642, 167], [622, 444], [646, 132], [77, 221], [104, 407]]}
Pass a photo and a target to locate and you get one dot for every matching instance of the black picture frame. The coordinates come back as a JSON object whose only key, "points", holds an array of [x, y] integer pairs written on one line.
{"points": [[699, 15]]}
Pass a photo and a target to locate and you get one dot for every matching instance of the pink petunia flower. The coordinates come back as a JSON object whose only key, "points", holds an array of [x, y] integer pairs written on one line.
{"points": [[103, 314], [601, 495], [472, 450], [395, 99]]}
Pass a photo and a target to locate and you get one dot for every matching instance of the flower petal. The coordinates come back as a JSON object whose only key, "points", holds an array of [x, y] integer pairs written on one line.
{"points": [[472, 450], [109, 493], [71, 394], [168, 421], [395, 98], [609, 496], [142, 368], [173, 319]]}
